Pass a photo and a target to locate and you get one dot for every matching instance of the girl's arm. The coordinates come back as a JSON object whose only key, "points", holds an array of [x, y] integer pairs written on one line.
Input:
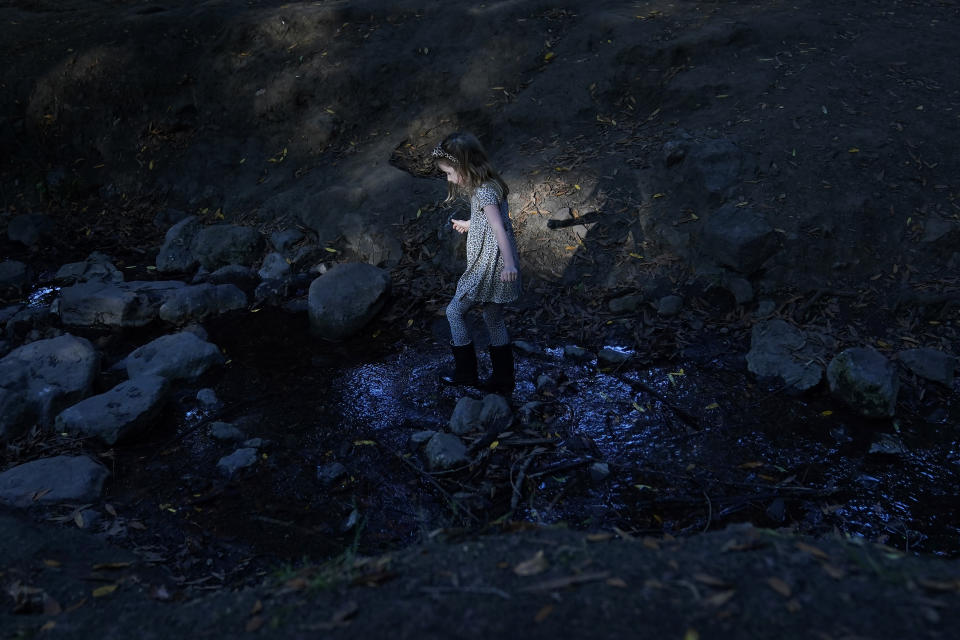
{"points": [[509, 273]]}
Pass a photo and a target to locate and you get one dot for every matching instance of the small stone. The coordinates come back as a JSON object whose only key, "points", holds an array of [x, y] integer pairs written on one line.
{"points": [[255, 443], [611, 357], [931, 364], [225, 432], [741, 289], [625, 304], [766, 308], [865, 380], [889, 444], [331, 473], [420, 438], [545, 383], [239, 459], [579, 354], [445, 451], [274, 267], [527, 347], [669, 305], [599, 471], [208, 398]]}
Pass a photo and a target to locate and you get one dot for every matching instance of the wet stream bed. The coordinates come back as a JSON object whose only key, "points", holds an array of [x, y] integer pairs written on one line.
{"points": [[689, 447]]}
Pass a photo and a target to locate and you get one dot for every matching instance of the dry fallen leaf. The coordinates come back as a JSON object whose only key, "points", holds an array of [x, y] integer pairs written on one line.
{"points": [[617, 582], [105, 590], [720, 598], [812, 550], [793, 606], [256, 608], [254, 623], [543, 613], [834, 572], [709, 580], [537, 564], [779, 586], [939, 585], [599, 537]]}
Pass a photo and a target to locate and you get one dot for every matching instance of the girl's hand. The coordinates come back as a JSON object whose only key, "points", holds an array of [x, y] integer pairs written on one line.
{"points": [[509, 274], [460, 226]]}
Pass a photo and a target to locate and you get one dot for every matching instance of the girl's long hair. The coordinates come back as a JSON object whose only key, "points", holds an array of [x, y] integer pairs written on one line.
{"points": [[463, 152]]}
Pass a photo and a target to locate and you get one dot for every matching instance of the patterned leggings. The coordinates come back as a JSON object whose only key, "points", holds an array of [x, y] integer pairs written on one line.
{"points": [[492, 316]]}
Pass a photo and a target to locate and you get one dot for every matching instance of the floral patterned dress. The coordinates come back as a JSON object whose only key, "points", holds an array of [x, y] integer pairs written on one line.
{"points": [[481, 280]]}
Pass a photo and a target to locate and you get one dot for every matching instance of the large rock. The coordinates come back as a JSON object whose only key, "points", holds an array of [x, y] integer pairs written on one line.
{"points": [[40, 379], [177, 356], [30, 228], [102, 304], [470, 414], [274, 267], [199, 302], [127, 408], [53, 480], [222, 244], [345, 298], [780, 350], [244, 278], [930, 364], [175, 255], [14, 278], [738, 237], [865, 380], [97, 267]]}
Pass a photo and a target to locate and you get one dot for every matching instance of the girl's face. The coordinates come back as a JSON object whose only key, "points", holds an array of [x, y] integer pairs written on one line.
{"points": [[450, 172]]}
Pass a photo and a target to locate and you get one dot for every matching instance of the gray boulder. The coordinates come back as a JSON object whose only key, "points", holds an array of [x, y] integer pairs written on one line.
{"points": [[244, 278], [199, 302], [930, 364], [119, 413], [53, 480], [284, 240], [713, 165], [222, 244], [30, 228], [470, 414], [344, 299], [780, 350], [121, 305], [445, 451], [741, 289], [175, 255], [865, 380], [240, 459], [40, 379], [739, 238], [274, 267], [14, 278], [625, 304], [669, 305], [97, 267], [178, 356]]}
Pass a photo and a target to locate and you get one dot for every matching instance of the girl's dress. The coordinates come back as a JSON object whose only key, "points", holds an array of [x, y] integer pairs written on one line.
{"points": [[481, 281]]}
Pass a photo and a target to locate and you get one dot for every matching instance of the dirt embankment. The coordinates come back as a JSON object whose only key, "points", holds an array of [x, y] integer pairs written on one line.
{"points": [[839, 121]]}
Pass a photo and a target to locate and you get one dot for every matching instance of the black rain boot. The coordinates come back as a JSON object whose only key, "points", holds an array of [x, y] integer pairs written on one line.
{"points": [[501, 379], [464, 367]]}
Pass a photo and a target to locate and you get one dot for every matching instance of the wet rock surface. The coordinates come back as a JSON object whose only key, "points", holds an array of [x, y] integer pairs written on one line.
{"points": [[53, 480]]}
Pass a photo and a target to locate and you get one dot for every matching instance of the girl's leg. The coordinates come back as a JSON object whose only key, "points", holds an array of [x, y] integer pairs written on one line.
{"points": [[460, 334], [496, 325]]}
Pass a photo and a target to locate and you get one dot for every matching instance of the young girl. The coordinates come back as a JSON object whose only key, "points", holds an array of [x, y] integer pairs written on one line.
{"points": [[491, 277]]}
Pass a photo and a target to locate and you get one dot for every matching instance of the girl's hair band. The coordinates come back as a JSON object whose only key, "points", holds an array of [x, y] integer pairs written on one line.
{"points": [[438, 152]]}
